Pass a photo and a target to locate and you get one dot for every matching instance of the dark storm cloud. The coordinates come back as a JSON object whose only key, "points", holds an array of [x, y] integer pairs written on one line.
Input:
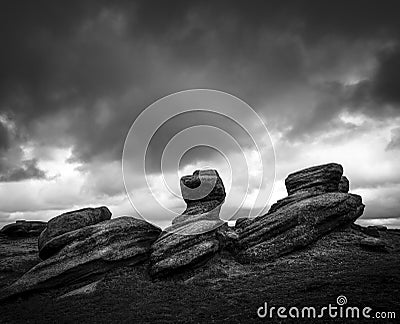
{"points": [[387, 78], [28, 170], [4, 138], [13, 165], [98, 64]]}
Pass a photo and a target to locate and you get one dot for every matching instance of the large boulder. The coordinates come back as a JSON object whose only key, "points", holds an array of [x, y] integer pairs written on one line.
{"points": [[317, 179], [198, 234], [69, 222], [23, 228], [90, 251], [295, 225]]}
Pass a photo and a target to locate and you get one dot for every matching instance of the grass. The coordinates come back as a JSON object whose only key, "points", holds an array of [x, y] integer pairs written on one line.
{"points": [[225, 291]]}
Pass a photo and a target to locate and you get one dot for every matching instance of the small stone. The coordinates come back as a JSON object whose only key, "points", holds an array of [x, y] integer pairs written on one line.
{"points": [[373, 244]]}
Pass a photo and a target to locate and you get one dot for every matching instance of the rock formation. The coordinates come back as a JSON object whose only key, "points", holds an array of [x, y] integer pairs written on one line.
{"points": [[317, 179], [197, 234], [88, 251], [313, 208], [23, 228], [80, 245], [69, 222], [312, 182]]}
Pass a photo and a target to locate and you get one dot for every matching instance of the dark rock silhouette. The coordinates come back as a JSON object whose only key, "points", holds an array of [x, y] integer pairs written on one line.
{"points": [[69, 222], [89, 251], [23, 228]]}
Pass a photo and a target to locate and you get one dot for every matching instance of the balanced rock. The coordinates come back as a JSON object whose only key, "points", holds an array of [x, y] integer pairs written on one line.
{"points": [[318, 179], [23, 228], [203, 191], [69, 222], [311, 182], [90, 251], [196, 235], [295, 225]]}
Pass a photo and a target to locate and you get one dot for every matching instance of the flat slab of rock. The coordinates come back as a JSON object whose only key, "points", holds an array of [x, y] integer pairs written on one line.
{"points": [[321, 179], [23, 228], [71, 221], [98, 248], [175, 252], [85, 290], [295, 226], [298, 196]]}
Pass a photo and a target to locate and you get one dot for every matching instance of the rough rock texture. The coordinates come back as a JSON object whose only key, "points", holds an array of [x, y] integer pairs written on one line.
{"points": [[370, 230], [196, 235], [295, 225], [85, 290], [312, 182], [23, 228], [344, 184], [203, 191], [291, 199], [317, 203], [69, 222], [174, 253], [317, 179], [93, 250]]}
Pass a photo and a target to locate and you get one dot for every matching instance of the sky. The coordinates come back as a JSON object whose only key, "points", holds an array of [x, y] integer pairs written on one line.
{"points": [[324, 77]]}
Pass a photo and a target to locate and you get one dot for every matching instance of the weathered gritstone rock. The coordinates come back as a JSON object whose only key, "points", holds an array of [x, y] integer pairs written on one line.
{"points": [[203, 191], [174, 253], [344, 184], [318, 179], [90, 251], [295, 225], [291, 199], [23, 228], [181, 247], [312, 182], [69, 222]]}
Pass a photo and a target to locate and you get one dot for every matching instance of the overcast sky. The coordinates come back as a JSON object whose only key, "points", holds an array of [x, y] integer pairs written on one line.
{"points": [[74, 75]]}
